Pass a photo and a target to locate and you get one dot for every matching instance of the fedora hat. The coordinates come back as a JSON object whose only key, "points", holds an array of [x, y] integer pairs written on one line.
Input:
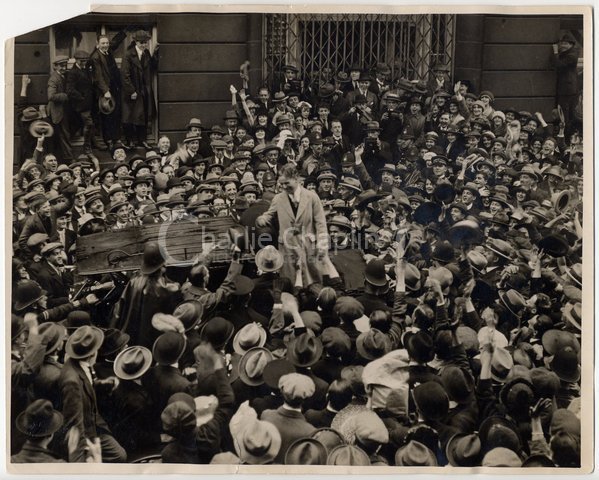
{"points": [[340, 221], [114, 340], [412, 277], [464, 450], [190, 313], [560, 200], [269, 259], [306, 451], [27, 293], [348, 455], [29, 114], [573, 315], [41, 127], [499, 247], [375, 274], [565, 364], [39, 419], [443, 252], [217, 331], [132, 363], [106, 105], [373, 344], [415, 454], [260, 442], [53, 333], [193, 122], [304, 350], [513, 301], [252, 365], [168, 348], [152, 259], [84, 342], [328, 437], [248, 337], [501, 364], [279, 97], [517, 394]]}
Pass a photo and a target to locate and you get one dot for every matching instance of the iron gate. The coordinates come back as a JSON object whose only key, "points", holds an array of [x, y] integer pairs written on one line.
{"points": [[408, 44]]}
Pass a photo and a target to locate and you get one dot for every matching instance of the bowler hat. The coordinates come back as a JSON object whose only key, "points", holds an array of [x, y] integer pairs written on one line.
{"points": [[306, 451], [84, 342], [465, 232], [419, 346], [27, 293], [252, 365], [348, 455], [304, 350], [443, 252], [168, 348], [565, 364], [152, 259], [114, 340], [375, 274], [39, 419], [76, 319], [132, 363], [415, 454], [106, 105], [217, 331], [259, 443]]}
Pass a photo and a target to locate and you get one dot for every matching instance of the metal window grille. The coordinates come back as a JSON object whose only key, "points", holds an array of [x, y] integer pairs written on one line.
{"points": [[408, 44]]}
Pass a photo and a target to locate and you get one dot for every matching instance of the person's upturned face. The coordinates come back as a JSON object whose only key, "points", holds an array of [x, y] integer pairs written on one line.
{"points": [[439, 169], [337, 235], [336, 129], [194, 146], [205, 195], [96, 207], [456, 214], [384, 240], [415, 108], [60, 67], [143, 45], [51, 163], [326, 185], [122, 214], [467, 197], [164, 144], [231, 191], [526, 180]]}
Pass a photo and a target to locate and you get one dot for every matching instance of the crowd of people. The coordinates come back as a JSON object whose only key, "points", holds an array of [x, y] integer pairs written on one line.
{"points": [[461, 348]]}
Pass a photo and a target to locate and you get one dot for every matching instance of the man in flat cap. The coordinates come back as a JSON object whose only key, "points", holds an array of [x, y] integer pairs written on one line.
{"points": [[58, 107], [81, 96]]}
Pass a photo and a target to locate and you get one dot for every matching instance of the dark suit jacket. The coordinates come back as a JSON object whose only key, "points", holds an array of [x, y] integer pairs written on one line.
{"points": [[35, 224], [33, 454], [161, 382], [292, 426], [320, 418], [105, 72], [130, 421], [79, 407], [56, 284], [137, 78], [80, 89]]}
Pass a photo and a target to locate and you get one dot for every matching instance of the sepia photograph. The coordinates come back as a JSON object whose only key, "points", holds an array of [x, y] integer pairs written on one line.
{"points": [[264, 239]]}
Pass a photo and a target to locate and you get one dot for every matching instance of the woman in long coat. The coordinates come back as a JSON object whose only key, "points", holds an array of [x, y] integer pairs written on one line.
{"points": [[138, 94]]}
